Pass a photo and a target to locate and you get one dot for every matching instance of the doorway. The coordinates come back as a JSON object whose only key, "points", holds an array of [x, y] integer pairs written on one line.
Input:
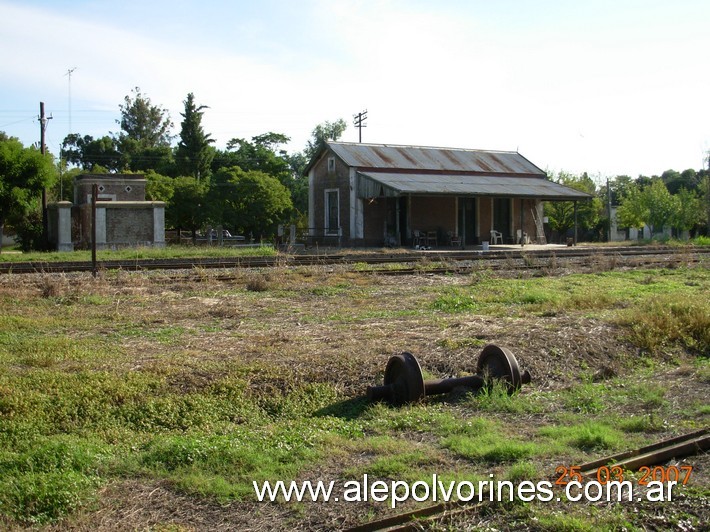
{"points": [[502, 214], [467, 221]]}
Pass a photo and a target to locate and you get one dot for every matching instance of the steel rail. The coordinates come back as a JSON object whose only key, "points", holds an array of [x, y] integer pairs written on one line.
{"points": [[679, 446], [334, 259]]}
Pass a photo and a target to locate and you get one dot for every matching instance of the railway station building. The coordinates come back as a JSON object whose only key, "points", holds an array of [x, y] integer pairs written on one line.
{"points": [[382, 194]]}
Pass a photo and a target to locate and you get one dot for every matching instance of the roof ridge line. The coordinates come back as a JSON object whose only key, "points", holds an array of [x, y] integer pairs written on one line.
{"points": [[418, 146]]}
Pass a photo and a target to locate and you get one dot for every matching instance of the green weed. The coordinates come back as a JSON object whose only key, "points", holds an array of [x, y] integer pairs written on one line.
{"points": [[454, 302], [492, 447], [589, 436], [670, 320], [583, 398]]}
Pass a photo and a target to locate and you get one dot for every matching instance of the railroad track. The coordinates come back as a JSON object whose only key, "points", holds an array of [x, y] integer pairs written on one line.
{"points": [[455, 260], [650, 455]]}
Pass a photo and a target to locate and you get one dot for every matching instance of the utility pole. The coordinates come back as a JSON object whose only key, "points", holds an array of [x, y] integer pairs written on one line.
{"points": [[608, 206], [359, 120], [43, 150]]}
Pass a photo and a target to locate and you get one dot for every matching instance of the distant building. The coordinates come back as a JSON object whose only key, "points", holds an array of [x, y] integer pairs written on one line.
{"points": [[375, 194], [123, 217], [619, 234]]}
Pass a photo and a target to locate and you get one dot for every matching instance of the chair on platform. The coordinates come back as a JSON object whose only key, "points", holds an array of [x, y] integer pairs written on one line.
{"points": [[496, 237], [419, 239], [454, 239], [432, 239]]}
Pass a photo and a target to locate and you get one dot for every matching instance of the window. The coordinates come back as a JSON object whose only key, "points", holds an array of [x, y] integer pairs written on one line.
{"points": [[332, 211], [331, 165]]}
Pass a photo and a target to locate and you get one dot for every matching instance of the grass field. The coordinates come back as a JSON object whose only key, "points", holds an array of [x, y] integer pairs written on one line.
{"points": [[153, 400], [134, 253]]}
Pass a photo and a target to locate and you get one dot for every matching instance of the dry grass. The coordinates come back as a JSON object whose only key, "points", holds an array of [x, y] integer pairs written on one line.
{"points": [[277, 332]]}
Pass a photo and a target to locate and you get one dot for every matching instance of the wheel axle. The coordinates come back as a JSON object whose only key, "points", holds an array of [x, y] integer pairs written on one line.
{"points": [[404, 382]]}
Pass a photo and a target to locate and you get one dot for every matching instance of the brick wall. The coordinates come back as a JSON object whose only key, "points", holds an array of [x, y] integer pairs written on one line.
{"points": [[433, 213], [113, 187], [129, 226]]}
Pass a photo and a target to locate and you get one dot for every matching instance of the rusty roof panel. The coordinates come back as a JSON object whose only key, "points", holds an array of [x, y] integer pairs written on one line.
{"points": [[419, 158], [478, 185]]}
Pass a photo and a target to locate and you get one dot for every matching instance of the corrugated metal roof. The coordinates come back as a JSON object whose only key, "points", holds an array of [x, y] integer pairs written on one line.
{"points": [[376, 184], [420, 158]]}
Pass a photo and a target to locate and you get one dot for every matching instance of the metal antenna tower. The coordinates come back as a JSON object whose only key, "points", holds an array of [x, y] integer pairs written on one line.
{"points": [[68, 74]]}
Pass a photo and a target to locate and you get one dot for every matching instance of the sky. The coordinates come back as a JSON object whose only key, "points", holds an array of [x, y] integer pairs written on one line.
{"points": [[605, 87]]}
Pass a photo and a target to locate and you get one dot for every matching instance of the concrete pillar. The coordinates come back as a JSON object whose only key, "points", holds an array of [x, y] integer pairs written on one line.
{"points": [[100, 225], [159, 225], [60, 226]]}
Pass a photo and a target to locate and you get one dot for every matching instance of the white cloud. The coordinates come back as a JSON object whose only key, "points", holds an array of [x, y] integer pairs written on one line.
{"points": [[572, 90]]}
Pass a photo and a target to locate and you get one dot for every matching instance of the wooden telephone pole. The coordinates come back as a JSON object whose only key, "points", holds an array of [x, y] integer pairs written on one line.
{"points": [[359, 120], [43, 150]]}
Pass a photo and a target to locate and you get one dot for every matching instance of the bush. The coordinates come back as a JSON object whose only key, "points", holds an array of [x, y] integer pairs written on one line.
{"points": [[29, 233]]}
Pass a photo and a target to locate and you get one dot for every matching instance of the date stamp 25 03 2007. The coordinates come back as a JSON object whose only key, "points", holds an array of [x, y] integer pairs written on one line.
{"points": [[605, 474]]}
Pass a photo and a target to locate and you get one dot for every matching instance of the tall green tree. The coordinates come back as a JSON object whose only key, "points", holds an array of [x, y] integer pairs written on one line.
{"points": [[687, 210], [88, 152], [299, 188], [159, 187], [650, 205], [251, 202], [24, 172], [661, 206], [194, 153], [633, 209], [187, 207], [261, 154], [561, 213], [144, 139], [321, 134], [705, 199], [674, 181]]}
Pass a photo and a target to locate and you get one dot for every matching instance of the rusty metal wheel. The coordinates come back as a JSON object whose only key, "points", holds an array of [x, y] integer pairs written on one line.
{"points": [[498, 363], [404, 374]]}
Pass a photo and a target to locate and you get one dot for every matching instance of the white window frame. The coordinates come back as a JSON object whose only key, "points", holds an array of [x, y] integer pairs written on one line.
{"points": [[331, 165], [326, 202]]}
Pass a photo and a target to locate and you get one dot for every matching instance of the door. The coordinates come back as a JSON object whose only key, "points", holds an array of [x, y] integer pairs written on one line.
{"points": [[502, 212], [467, 221]]}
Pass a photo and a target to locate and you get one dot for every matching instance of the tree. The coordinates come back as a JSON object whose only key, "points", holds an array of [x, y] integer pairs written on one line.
{"points": [[674, 181], [194, 153], [299, 188], [651, 205], [660, 205], [261, 154], [633, 209], [252, 202], [322, 133], [159, 187], [705, 199], [24, 172], [187, 207], [88, 152], [149, 125], [144, 140], [561, 213], [687, 210], [65, 190], [619, 187]]}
